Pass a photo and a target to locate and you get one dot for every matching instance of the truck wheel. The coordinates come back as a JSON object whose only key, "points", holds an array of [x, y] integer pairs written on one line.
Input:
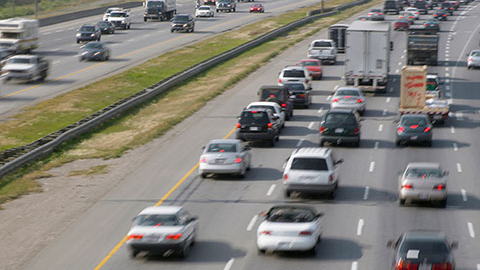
{"points": [[234, 9], [43, 75], [129, 26], [144, 19]]}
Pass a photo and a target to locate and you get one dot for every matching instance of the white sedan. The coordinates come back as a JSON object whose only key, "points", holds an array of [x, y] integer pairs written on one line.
{"points": [[204, 11], [290, 228]]}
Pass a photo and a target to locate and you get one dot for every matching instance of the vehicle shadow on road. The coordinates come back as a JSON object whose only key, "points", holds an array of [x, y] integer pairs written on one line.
{"points": [[56, 53], [451, 63], [203, 251], [378, 113], [330, 248], [456, 201], [331, 78], [321, 92], [349, 194], [303, 118]]}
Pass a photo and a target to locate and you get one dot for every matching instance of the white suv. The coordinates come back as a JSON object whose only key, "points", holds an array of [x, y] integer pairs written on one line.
{"points": [[311, 170], [323, 50], [276, 109], [295, 74]]}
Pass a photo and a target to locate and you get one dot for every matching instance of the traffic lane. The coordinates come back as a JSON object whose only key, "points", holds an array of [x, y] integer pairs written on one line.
{"points": [[45, 89]]}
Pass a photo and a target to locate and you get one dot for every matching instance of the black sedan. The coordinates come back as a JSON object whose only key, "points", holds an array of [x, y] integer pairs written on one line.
{"points": [[432, 24], [299, 94], [422, 249], [414, 128], [106, 27], [94, 51], [182, 22]]}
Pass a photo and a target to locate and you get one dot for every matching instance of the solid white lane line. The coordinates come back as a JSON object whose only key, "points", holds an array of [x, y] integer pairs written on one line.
{"points": [[252, 223], [229, 264], [384, 112], [354, 266], [310, 126], [372, 166], [459, 167], [365, 195], [271, 189], [464, 195], [388, 99], [471, 231], [360, 227], [300, 142], [376, 145], [452, 129], [380, 128], [455, 147]]}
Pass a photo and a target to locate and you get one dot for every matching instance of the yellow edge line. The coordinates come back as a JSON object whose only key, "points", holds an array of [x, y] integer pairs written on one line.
{"points": [[124, 239]]}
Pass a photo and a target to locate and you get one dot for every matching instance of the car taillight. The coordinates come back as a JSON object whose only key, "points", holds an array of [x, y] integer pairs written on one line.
{"points": [[203, 160], [413, 126], [285, 177], [305, 233], [335, 100], [322, 129], [356, 130], [135, 236], [401, 265], [407, 186], [302, 95], [238, 160], [444, 15], [306, 81], [269, 125], [239, 125], [266, 232], [380, 13], [359, 100], [175, 236], [330, 178], [411, 17], [416, 12], [284, 105], [427, 129], [279, 80], [440, 187], [442, 266]]}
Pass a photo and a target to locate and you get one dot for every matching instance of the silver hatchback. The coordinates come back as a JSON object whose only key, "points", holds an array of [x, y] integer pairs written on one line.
{"points": [[423, 182], [349, 98], [225, 156], [473, 60]]}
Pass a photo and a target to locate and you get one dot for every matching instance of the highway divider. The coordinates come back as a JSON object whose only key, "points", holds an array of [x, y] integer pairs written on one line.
{"points": [[14, 158]]}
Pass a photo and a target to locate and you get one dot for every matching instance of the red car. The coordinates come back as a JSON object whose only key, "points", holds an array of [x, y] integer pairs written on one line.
{"points": [[401, 24], [257, 8], [314, 66]]}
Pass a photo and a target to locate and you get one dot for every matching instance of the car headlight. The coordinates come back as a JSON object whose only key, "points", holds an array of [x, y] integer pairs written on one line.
{"points": [[124, 21], [92, 35], [78, 34], [83, 53], [185, 25], [97, 53]]}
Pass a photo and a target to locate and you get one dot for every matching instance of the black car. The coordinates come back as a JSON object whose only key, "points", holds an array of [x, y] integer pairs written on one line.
{"points": [[106, 27], [88, 33], [299, 94], [414, 128], [440, 14], [94, 51], [422, 249], [392, 6], [340, 126], [278, 94], [448, 7], [422, 6], [258, 124], [182, 22]]}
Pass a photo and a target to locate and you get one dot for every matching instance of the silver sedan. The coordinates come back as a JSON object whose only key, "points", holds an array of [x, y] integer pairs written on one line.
{"points": [[225, 156], [423, 182], [349, 98]]}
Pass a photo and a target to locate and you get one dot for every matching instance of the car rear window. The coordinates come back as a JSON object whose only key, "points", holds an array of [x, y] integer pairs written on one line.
{"points": [[347, 93], [310, 164], [425, 246], [423, 172], [254, 117], [340, 119], [322, 44], [295, 87], [204, 8], [294, 74], [156, 220], [87, 28], [475, 54], [222, 148], [421, 121], [290, 214], [262, 107], [309, 63], [266, 93]]}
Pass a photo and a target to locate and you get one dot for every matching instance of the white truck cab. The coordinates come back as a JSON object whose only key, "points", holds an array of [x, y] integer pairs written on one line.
{"points": [[19, 35]]}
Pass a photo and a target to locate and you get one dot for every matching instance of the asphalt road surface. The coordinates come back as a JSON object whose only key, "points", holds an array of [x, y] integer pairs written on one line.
{"points": [[357, 223], [128, 48]]}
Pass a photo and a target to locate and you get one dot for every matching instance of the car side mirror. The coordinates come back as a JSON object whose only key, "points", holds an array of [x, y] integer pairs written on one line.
{"points": [[194, 218], [390, 244], [319, 215], [263, 214], [338, 161], [203, 147], [454, 245], [445, 173], [246, 148]]}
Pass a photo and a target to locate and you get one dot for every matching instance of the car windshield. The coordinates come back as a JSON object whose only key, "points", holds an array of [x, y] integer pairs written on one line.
{"points": [[154, 4], [156, 220], [295, 87], [420, 121], [423, 172], [222, 148], [254, 117], [309, 164], [294, 74], [180, 19], [118, 14], [204, 8], [19, 61], [425, 246], [309, 63], [290, 215], [340, 119], [475, 53], [87, 28], [322, 44], [93, 45], [347, 93]]}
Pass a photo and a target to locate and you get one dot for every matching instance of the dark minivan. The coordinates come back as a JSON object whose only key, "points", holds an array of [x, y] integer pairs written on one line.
{"points": [[278, 94], [340, 126], [392, 6]]}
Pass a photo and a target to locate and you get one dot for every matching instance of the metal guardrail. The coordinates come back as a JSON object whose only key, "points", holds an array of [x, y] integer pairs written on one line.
{"points": [[14, 158]]}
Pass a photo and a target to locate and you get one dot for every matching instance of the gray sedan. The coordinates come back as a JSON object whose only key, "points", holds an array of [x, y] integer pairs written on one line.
{"points": [[473, 60], [349, 98], [225, 156], [423, 182], [414, 128]]}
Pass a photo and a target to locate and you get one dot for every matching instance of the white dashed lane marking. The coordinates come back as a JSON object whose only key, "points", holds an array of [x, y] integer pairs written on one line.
{"points": [[380, 128], [372, 166], [229, 264], [459, 167], [471, 231], [354, 266], [252, 223], [376, 145], [360, 227], [300, 142], [464, 195], [455, 147], [452, 129], [367, 191], [271, 189]]}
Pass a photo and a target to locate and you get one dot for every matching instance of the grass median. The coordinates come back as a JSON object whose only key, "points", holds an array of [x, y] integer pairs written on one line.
{"points": [[151, 120]]}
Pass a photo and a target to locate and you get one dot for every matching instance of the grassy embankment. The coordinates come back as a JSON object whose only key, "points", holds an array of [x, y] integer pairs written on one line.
{"points": [[152, 120]]}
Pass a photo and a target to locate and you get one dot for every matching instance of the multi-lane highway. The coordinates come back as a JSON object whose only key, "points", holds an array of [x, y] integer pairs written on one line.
{"points": [[357, 223], [129, 47]]}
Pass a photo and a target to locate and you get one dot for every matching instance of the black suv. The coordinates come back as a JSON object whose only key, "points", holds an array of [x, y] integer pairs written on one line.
{"points": [[182, 22], [258, 124], [278, 94], [88, 33], [447, 7], [298, 94], [391, 6], [339, 126]]}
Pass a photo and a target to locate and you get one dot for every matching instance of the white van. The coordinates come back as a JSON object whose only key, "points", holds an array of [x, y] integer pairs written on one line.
{"points": [[19, 35]]}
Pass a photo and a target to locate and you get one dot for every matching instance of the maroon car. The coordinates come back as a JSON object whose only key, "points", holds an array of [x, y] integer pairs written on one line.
{"points": [[257, 8], [401, 24]]}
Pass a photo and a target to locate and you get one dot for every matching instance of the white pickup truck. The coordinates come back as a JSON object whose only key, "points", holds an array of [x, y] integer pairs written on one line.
{"points": [[120, 18], [323, 50], [25, 67]]}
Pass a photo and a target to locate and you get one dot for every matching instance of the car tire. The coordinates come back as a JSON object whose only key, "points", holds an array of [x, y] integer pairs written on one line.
{"points": [[402, 201], [144, 19], [185, 251], [203, 175], [78, 41], [442, 203], [134, 253], [313, 250], [332, 194], [397, 142], [287, 193], [469, 67], [322, 142], [171, 30], [271, 142], [261, 251], [429, 144], [356, 144]]}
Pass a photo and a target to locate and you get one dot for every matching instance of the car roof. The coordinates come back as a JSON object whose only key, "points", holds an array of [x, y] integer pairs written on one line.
{"points": [[317, 40], [424, 235], [276, 87], [293, 68], [340, 111], [233, 141], [161, 210], [321, 152], [265, 103], [204, 6], [87, 24], [257, 110], [413, 115], [474, 51], [349, 88], [432, 165]]}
